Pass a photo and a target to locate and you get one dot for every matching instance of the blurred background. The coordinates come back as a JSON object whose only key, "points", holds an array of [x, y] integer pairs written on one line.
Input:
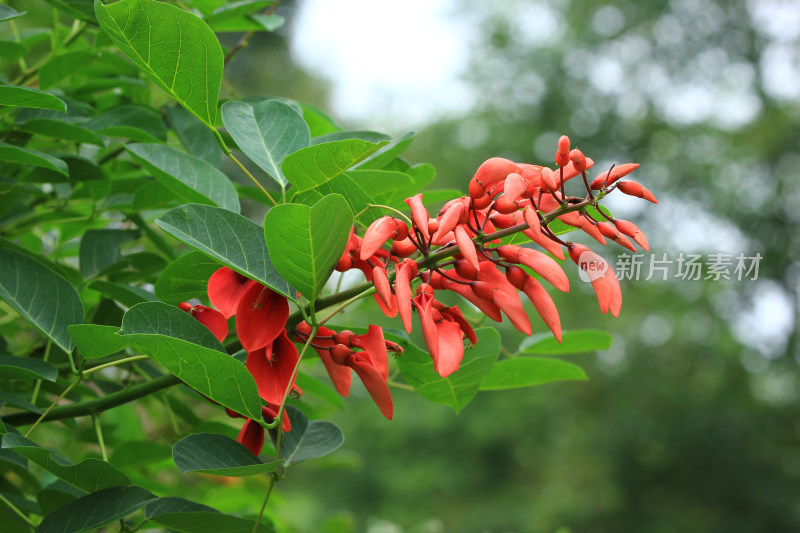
{"points": [[689, 422]]}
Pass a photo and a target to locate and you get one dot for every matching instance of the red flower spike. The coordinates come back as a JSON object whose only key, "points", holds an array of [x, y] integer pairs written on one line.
{"points": [[578, 160], [406, 271], [570, 171], [549, 180], [252, 436], [609, 230], [488, 307], [382, 286], [633, 188], [466, 246], [544, 305], [341, 376], [260, 317], [374, 344], [540, 263], [630, 229], [531, 218], [455, 314], [609, 177], [605, 285], [210, 318], [419, 215], [272, 368], [451, 347], [225, 289], [491, 171], [373, 381], [448, 222], [466, 269], [562, 154], [379, 232]]}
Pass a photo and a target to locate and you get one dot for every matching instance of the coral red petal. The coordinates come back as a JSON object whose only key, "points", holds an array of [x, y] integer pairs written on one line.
{"points": [[260, 317], [374, 383], [252, 436], [374, 343], [272, 368], [451, 347], [212, 319], [544, 305], [225, 288]]}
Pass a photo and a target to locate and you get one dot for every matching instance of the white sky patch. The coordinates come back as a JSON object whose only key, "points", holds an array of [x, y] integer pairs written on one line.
{"points": [[394, 62]]}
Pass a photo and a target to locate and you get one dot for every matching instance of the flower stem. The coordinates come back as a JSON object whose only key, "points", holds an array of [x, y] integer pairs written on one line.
{"points": [[38, 385], [55, 402], [272, 480], [17, 511], [100, 441]]}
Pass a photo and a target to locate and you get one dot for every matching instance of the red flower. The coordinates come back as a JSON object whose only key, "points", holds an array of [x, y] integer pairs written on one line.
{"points": [[260, 317], [372, 342], [210, 318], [252, 433], [372, 379], [225, 288], [272, 368], [406, 271]]}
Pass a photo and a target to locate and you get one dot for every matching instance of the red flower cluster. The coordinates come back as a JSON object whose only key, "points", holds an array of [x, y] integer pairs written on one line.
{"points": [[261, 316], [454, 251], [459, 250]]}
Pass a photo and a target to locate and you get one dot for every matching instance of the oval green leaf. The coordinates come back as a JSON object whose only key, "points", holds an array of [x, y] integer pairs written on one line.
{"points": [[189, 177], [231, 239], [27, 157], [313, 166], [189, 350], [94, 341], [15, 96], [89, 475], [95, 510], [40, 296], [580, 341], [529, 371], [59, 129], [308, 439], [306, 242], [460, 387], [186, 278], [136, 123], [266, 132], [186, 516], [210, 453], [174, 48], [26, 368], [101, 248]]}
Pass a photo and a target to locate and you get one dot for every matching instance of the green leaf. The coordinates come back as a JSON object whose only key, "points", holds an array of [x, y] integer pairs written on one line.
{"points": [[27, 157], [89, 475], [156, 318], [95, 510], [318, 122], [388, 153], [79, 167], [40, 296], [59, 129], [231, 239], [319, 164], [529, 371], [364, 135], [186, 278], [26, 368], [177, 50], [7, 13], [579, 341], [18, 401], [237, 9], [101, 248], [189, 350], [185, 516], [12, 95], [62, 66], [133, 122], [94, 341], [266, 132], [306, 242], [195, 136], [308, 439], [210, 453], [460, 387], [191, 178], [127, 295], [269, 22], [81, 9]]}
